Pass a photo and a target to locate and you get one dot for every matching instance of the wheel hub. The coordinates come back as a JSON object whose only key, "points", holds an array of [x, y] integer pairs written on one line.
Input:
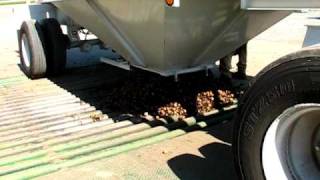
{"points": [[290, 146], [316, 146], [26, 51]]}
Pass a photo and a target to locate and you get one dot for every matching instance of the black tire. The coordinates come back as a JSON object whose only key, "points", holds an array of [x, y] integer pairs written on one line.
{"points": [[55, 46], [291, 80], [30, 36]]}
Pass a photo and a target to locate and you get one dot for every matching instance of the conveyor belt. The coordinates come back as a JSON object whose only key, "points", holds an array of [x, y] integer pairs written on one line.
{"points": [[45, 127]]}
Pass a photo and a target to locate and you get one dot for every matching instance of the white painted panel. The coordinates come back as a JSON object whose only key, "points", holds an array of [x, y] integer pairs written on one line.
{"points": [[280, 4]]}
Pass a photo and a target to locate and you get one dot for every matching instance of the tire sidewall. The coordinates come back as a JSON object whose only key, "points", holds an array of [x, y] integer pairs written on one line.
{"points": [[282, 87], [25, 30], [31, 31]]}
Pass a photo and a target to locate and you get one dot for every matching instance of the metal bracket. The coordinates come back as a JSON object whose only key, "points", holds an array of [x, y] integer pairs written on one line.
{"points": [[118, 63]]}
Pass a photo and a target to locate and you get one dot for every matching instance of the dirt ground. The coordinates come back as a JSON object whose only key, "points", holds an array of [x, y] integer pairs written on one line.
{"points": [[203, 154]]}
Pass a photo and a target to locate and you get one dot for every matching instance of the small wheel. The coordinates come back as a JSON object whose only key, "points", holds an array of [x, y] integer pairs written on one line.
{"points": [[55, 46], [32, 54], [277, 126]]}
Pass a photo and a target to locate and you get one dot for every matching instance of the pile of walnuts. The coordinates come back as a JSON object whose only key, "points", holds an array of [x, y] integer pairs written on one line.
{"points": [[226, 97], [173, 109], [205, 102], [160, 97]]}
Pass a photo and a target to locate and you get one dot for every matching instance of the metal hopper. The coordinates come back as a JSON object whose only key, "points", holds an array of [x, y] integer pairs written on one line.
{"points": [[151, 35]]}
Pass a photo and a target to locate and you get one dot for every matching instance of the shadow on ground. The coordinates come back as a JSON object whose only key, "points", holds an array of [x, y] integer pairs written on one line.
{"points": [[90, 83], [216, 161]]}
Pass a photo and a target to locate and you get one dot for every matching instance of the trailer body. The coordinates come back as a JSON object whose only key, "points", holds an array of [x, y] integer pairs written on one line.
{"points": [[167, 40]]}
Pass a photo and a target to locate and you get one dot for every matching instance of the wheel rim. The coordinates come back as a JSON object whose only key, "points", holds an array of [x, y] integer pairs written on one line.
{"points": [[26, 51], [290, 144]]}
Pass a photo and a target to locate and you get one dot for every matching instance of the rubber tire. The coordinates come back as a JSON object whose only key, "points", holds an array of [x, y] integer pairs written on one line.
{"points": [[55, 46], [33, 33], [291, 80]]}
